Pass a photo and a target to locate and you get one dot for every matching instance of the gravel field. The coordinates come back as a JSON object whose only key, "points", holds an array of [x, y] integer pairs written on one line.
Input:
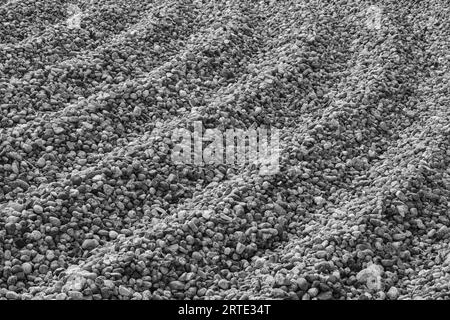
{"points": [[92, 205]]}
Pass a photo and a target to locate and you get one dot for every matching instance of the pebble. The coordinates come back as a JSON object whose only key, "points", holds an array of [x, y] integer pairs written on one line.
{"points": [[223, 284], [36, 235], [325, 295], [55, 221], [319, 201], [75, 295], [11, 295], [313, 292], [393, 293], [38, 209], [176, 285], [61, 296], [240, 248], [123, 291], [41, 162], [27, 268], [113, 234], [302, 284], [137, 111], [90, 244]]}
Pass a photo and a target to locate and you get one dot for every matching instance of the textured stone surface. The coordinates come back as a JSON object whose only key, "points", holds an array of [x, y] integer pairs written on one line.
{"points": [[93, 207]]}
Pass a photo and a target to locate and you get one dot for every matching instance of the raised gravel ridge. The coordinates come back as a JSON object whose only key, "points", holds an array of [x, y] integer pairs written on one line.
{"points": [[93, 207]]}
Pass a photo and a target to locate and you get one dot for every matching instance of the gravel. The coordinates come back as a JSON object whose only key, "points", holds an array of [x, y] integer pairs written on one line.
{"points": [[93, 207]]}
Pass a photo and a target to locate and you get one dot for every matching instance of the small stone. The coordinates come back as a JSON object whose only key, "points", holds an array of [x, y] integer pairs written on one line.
{"points": [[443, 232], [399, 236], [43, 269], [89, 244], [113, 234], [76, 180], [124, 291], [302, 284], [401, 196], [240, 248], [36, 235], [97, 178], [17, 207], [41, 162], [359, 136], [10, 227], [431, 233], [75, 295], [197, 256], [21, 184], [279, 209], [393, 293], [137, 111], [58, 130], [55, 221], [38, 209], [176, 285], [278, 293], [313, 292], [239, 210], [61, 296], [27, 148], [319, 201], [50, 255], [206, 214], [11, 295], [370, 276], [388, 262], [87, 125], [325, 295], [259, 263], [223, 284], [27, 268], [193, 226], [402, 210]]}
